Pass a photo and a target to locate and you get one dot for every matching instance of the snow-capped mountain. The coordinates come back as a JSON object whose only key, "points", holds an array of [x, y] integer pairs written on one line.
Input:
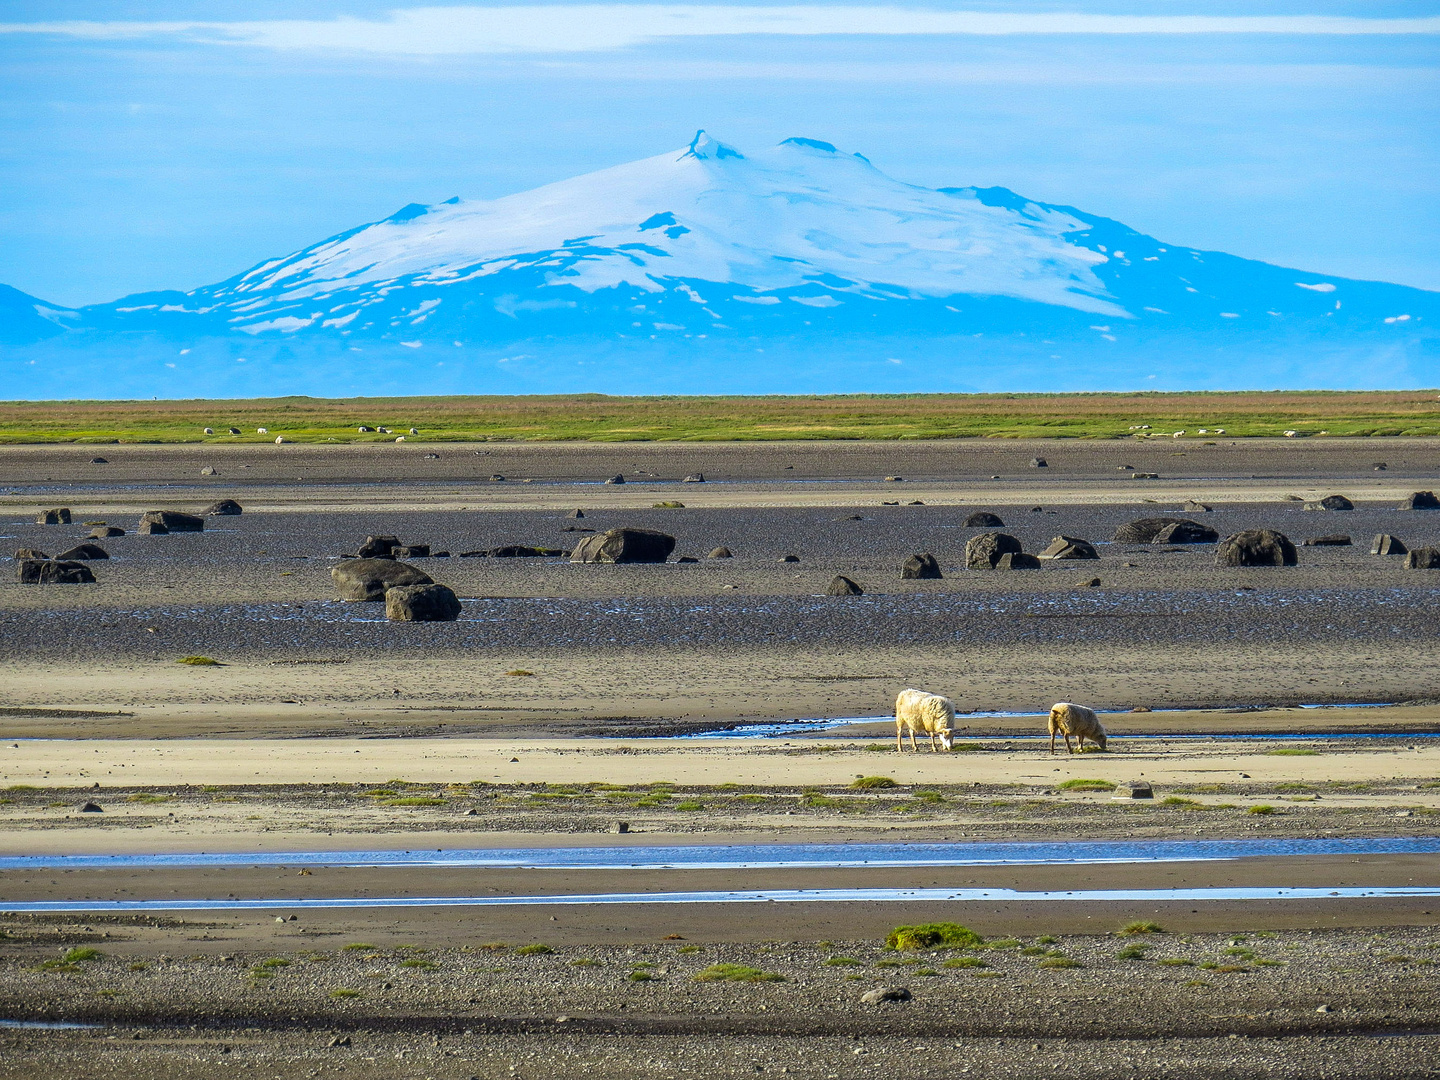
{"points": [[798, 268]]}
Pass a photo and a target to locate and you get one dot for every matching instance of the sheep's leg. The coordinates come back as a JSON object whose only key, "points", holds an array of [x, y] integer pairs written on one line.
{"points": [[913, 744], [1068, 748], [1053, 733], [899, 747]]}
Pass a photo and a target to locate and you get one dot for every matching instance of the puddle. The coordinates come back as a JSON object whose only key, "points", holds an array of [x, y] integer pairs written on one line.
{"points": [[738, 896], [46, 1025], [761, 856]]}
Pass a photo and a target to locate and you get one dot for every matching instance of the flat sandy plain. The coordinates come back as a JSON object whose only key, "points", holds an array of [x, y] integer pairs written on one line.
{"points": [[326, 728]]}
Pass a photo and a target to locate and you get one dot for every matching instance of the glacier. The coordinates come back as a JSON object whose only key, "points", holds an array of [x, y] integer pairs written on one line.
{"points": [[800, 268]]}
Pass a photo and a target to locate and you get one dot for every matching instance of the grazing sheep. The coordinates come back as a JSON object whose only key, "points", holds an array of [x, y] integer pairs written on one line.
{"points": [[932, 714], [1067, 719]]}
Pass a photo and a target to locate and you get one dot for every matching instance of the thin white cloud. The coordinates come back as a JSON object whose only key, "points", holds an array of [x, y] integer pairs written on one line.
{"points": [[436, 31]]}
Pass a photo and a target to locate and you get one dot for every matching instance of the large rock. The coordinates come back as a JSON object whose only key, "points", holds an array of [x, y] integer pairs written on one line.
{"points": [[367, 579], [983, 519], [984, 551], [1423, 559], [152, 528], [378, 547], [1420, 500], [1069, 547], [513, 551], [421, 603], [1186, 532], [1385, 544], [51, 572], [920, 566], [1017, 560], [1331, 502], [223, 508], [1144, 530], [624, 546], [411, 551], [1333, 540], [1255, 547], [84, 552], [30, 553], [173, 520], [840, 585], [104, 532], [59, 516]]}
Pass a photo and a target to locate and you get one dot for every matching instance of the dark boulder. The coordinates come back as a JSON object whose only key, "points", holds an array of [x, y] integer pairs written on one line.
{"points": [[91, 808], [618, 478], [1144, 530], [1069, 547], [60, 516], [173, 520], [99, 461], [1423, 559], [1039, 463], [378, 547], [1331, 502], [1334, 540], [983, 519], [411, 551], [1256, 547], [624, 546], [840, 585], [513, 551], [576, 514], [687, 559], [1385, 544], [1186, 532], [1420, 500], [30, 553], [152, 528], [84, 552], [104, 532], [695, 478], [367, 579], [924, 567], [52, 572], [984, 551], [223, 508], [721, 553], [789, 558], [1017, 560], [421, 603]]}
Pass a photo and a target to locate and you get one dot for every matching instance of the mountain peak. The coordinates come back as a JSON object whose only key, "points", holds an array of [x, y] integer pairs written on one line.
{"points": [[704, 147]]}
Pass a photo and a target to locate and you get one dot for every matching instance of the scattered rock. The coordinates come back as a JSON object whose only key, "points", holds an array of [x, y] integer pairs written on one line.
{"points": [[851, 517], [58, 516], [983, 519], [916, 502], [106, 531], [618, 478], [687, 559], [1037, 509], [1190, 506], [223, 508], [1331, 502], [91, 808], [894, 479], [1423, 559], [721, 553], [1385, 544], [516, 551], [694, 478], [1144, 530], [624, 546], [1144, 476], [1140, 789], [342, 1040], [1017, 560], [421, 603], [923, 567], [1334, 540], [1089, 583], [368, 579], [1420, 500], [1324, 1009], [52, 572], [983, 552], [576, 514], [1186, 532], [840, 585], [378, 547], [411, 551], [496, 476], [209, 470], [1255, 547], [789, 558], [99, 461], [30, 553], [883, 994], [84, 552], [173, 520], [620, 826], [1039, 463], [152, 528], [1069, 547]]}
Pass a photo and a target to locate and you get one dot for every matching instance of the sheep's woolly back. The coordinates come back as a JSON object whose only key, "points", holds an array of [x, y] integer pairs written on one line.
{"points": [[924, 712], [1072, 719]]}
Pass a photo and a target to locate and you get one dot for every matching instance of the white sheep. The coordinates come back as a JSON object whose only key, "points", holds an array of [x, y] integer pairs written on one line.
{"points": [[932, 714], [1067, 719]]}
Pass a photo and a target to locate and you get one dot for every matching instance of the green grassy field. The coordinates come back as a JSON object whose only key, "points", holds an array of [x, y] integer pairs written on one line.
{"points": [[595, 417]]}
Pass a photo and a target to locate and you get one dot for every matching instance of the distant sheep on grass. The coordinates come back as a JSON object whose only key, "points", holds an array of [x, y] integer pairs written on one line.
{"points": [[931, 714], [1067, 719]]}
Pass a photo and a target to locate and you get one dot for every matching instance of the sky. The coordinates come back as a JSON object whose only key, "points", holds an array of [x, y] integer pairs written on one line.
{"points": [[166, 144]]}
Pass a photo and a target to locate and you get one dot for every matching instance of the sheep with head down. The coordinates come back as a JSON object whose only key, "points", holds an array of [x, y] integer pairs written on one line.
{"points": [[930, 714], [1067, 719]]}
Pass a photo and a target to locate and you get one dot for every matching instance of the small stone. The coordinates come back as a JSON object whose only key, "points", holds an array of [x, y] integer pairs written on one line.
{"points": [[209, 470], [91, 808], [618, 478], [983, 519], [687, 559], [339, 1040], [1190, 506], [99, 461], [1141, 789], [789, 558], [920, 567], [620, 826], [576, 514], [883, 994], [720, 553], [894, 479], [1039, 463], [1017, 560], [1324, 1009], [1331, 502], [1334, 540], [694, 478], [840, 585], [58, 516], [1385, 544], [1069, 547], [1089, 583]]}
